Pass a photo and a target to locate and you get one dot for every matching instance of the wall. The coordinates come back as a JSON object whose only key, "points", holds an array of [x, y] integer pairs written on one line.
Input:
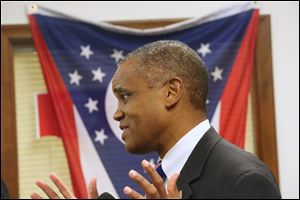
{"points": [[285, 42]]}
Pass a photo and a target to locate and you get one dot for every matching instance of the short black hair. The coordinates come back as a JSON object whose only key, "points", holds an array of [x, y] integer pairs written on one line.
{"points": [[159, 61]]}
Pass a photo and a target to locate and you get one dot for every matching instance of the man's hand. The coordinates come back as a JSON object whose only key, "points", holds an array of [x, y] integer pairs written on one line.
{"points": [[156, 190], [93, 193]]}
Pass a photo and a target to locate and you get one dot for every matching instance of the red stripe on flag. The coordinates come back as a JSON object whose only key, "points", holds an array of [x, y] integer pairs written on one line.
{"points": [[47, 118], [63, 109], [234, 99]]}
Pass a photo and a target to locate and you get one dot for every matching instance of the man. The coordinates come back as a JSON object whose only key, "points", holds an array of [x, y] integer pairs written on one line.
{"points": [[162, 90]]}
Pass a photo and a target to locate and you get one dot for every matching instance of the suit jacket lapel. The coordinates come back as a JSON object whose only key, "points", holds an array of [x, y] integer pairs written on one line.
{"points": [[194, 165]]}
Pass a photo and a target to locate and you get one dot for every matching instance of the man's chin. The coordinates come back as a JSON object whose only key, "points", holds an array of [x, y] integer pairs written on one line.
{"points": [[136, 150]]}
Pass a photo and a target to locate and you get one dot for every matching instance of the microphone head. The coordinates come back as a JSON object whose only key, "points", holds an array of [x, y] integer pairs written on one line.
{"points": [[105, 195]]}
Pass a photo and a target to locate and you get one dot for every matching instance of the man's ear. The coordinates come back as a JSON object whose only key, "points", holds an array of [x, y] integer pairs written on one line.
{"points": [[174, 89]]}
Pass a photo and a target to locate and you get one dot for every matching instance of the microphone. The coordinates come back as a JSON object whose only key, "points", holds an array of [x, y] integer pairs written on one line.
{"points": [[106, 195]]}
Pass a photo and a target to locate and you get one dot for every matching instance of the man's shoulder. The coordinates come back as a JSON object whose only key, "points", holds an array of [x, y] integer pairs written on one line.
{"points": [[234, 158], [225, 160], [254, 184], [219, 169]]}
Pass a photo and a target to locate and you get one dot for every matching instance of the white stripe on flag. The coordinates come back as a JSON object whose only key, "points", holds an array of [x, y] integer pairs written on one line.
{"points": [[215, 122], [91, 164], [236, 8]]}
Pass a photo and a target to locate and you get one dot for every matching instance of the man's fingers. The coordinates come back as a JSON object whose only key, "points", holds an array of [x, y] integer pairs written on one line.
{"points": [[173, 192], [93, 192], [48, 191], [132, 193], [156, 179], [35, 196], [150, 191], [61, 186]]}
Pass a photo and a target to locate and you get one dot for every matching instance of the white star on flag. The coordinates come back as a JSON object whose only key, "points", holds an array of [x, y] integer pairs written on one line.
{"points": [[98, 75], [217, 74], [207, 101], [100, 136], [117, 55], [204, 49], [86, 52], [92, 105], [75, 78]]}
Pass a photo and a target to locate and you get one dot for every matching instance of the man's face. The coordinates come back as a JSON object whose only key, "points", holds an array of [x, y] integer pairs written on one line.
{"points": [[140, 110]]}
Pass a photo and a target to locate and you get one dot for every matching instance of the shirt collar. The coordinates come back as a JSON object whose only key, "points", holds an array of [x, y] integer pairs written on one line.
{"points": [[177, 156]]}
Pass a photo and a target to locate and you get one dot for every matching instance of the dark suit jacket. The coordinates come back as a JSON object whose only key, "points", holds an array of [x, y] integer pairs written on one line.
{"points": [[218, 169]]}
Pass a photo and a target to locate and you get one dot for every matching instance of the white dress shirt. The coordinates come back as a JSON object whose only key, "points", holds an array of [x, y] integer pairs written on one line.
{"points": [[177, 156]]}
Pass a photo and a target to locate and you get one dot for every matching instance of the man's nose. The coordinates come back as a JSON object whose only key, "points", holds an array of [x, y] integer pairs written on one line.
{"points": [[118, 115]]}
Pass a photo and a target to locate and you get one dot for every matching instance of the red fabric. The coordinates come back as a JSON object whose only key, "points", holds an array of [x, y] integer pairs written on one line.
{"points": [[47, 118], [63, 109], [234, 110]]}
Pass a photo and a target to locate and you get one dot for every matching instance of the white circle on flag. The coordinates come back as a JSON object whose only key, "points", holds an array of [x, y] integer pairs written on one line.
{"points": [[111, 105]]}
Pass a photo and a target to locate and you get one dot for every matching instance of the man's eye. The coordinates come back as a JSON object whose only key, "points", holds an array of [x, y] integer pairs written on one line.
{"points": [[125, 97]]}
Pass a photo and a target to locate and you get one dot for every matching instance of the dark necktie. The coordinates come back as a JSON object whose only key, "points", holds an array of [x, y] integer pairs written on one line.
{"points": [[160, 171]]}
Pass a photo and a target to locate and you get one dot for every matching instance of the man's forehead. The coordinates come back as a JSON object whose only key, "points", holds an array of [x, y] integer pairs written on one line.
{"points": [[122, 75], [116, 83], [125, 69], [121, 85]]}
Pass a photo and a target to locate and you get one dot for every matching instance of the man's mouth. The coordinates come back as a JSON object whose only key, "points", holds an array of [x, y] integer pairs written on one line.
{"points": [[123, 127]]}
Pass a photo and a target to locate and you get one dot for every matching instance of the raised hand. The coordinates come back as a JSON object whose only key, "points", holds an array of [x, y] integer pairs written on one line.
{"points": [[156, 190], [92, 190]]}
